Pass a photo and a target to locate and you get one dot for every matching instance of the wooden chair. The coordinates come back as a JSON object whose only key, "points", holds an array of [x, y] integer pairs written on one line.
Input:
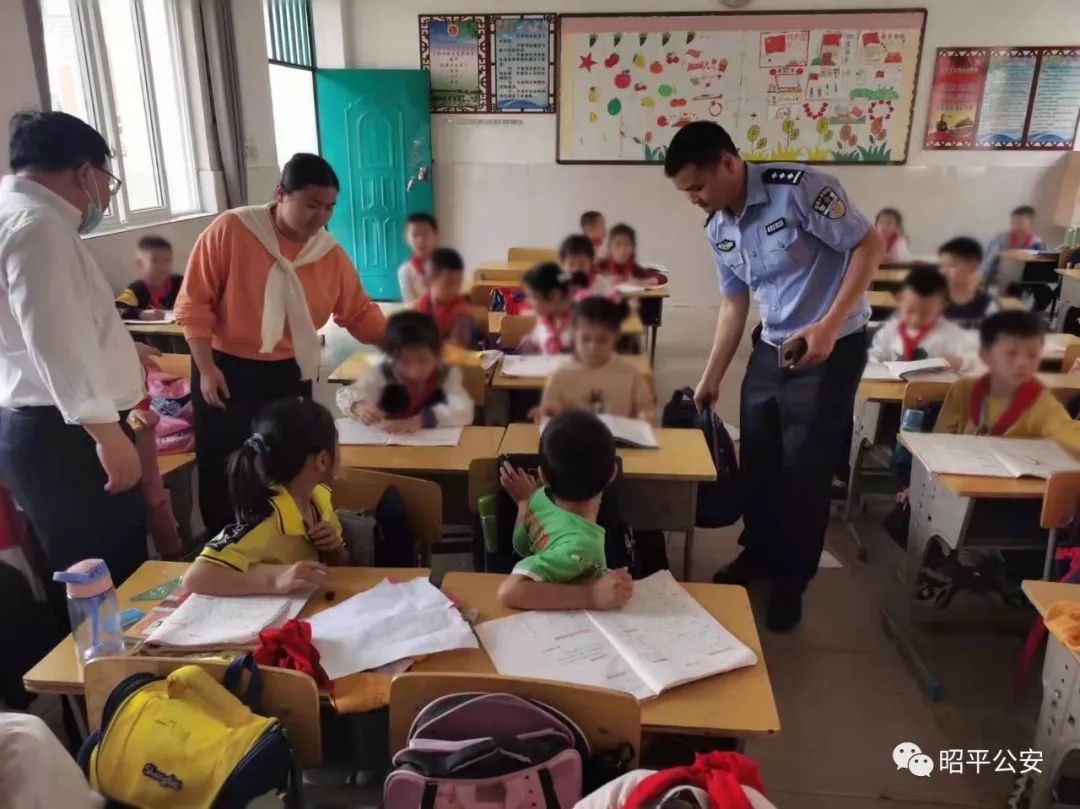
{"points": [[288, 695], [1072, 354], [498, 277], [480, 293], [360, 489], [513, 329], [175, 364], [1061, 504], [919, 394], [607, 718], [536, 254]]}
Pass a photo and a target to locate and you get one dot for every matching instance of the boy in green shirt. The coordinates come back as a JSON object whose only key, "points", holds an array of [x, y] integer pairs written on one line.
{"points": [[563, 565]]}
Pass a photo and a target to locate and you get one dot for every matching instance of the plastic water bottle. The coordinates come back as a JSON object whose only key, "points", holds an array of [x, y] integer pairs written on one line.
{"points": [[93, 609]]}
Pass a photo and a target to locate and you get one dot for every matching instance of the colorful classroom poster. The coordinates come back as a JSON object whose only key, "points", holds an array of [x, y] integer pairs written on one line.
{"points": [[523, 51], [815, 86], [1006, 91], [1056, 109], [959, 74], [454, 49]]}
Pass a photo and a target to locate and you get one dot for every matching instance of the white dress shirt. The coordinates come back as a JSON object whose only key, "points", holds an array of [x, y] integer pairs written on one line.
{"points": [[945, 340], [62, 342]]}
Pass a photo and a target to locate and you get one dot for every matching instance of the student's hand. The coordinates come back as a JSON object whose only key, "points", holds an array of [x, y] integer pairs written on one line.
{"points": [[143, 419], [120, 460], [955, 363], [611, 591], [366, 414], [1075, 368], [301, 576], [541, 412], [820, 338], [151, 314], [146, 356], [652, 281], [650, 416], [518, 483], [528, 347], [410, 425], [215, 389], [324, 538]]}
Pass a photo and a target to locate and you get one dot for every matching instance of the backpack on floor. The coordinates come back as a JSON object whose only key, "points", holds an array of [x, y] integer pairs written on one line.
{"points": [[496, 751], [379, 538], [719, 502], [187, 740]]}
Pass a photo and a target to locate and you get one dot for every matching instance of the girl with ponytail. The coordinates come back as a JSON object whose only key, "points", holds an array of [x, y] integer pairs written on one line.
{"points": [[285, 531]]}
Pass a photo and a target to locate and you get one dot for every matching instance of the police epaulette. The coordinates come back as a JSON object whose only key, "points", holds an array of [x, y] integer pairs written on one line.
{"points": [[782, 176]]}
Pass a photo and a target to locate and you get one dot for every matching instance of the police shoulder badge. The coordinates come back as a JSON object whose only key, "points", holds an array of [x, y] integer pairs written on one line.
{"points": [[782, 176], [829, 204], [726, 246]]}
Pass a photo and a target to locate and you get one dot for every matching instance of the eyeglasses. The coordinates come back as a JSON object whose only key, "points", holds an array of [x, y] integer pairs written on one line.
{"points": [[114, 182]]}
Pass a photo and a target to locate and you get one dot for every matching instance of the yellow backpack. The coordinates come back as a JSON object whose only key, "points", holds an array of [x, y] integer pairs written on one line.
{"points": [[186, 742]]}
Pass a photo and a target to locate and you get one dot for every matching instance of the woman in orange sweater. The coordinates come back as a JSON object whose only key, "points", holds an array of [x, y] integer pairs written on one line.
{"points": [[259, 282]]}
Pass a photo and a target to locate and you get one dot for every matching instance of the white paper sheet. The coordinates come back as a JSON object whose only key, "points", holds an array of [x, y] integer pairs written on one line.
{"points": [[631, 289], [936, 370], [210, 621], [387, 623], [489, 358], [989, 457], [534, 366], [633, 432], [1056, 344], [168, 316], [352, 432], [902, 370]]}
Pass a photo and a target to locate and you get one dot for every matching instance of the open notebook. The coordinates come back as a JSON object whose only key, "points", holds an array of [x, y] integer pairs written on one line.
{"points": [[351, 431], [989, 457], [534, 366], [168, 316], [212, 622], [661, 639], [626, 432], [934, 368]]}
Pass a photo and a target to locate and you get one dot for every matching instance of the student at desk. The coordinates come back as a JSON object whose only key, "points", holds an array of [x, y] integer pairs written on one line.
{"points": [[563, 565], [157, 286], [890, 224], [421, 234], [285, 528], [1020, 236], [550, 289], [443, 300], [968, 305]]}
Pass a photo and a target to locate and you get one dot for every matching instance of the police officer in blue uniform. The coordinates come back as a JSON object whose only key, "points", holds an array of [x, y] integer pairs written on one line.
{"points": [[788, 234]]}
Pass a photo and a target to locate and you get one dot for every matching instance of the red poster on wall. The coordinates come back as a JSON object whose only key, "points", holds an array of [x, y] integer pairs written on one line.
{"points": [[959, 76]]}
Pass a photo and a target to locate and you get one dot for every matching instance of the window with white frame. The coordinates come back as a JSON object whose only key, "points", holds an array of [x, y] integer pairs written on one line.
{"points": [[290, 46], [118, 65]]}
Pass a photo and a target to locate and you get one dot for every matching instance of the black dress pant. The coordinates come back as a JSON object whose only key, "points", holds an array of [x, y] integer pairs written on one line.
{"points": [[54, 474], [253, 384], [793, 426]]}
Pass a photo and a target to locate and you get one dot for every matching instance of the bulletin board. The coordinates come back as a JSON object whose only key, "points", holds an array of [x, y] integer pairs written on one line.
{"points": [[489, 63], [1007, 98], [818, 87]]}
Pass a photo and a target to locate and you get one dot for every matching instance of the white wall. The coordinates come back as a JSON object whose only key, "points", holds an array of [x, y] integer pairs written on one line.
{"points": [[18, 90], [499, 185]]}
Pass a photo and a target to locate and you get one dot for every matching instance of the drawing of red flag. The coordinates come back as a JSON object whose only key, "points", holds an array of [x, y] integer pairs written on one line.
{"points": [[830, 39], [776, 44], [880, 74], [871, 39]]}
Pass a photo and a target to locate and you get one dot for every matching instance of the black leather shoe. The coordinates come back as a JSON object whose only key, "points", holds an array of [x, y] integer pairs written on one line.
{"points": [[785, 609], [741, 572]]}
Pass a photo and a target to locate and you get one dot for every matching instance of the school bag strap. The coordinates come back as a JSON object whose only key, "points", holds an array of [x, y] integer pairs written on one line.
{"points": [[252, 696]]}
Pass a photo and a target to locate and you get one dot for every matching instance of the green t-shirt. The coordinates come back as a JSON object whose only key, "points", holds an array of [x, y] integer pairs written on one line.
{"points": [[557, 546]]}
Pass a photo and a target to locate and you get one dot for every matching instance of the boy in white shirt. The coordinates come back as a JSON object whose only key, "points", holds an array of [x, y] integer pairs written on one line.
{"points": [[919, 330], [422, 236]]}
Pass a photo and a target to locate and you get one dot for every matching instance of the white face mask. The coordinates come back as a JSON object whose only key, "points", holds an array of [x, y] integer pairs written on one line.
{"points": [[93, 216]]}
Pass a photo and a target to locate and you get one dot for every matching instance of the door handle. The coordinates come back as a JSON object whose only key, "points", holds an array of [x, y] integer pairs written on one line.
{"points": [[421, 176]]}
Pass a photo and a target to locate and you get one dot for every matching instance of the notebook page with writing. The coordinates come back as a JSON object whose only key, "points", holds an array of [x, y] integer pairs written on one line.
{"points": [[668, 637], [563, 646], [957, 455], [1037, 458], [631, 432], [214, 622]]}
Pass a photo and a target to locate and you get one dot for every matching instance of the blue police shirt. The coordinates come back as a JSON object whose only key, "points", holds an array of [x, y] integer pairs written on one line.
{"points": [[790, 247]]}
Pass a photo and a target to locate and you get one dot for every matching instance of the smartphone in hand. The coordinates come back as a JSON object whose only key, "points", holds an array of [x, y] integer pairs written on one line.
{"points": [[791, 352]]}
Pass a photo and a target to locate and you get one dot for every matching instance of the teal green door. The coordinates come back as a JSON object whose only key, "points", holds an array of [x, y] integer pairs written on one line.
{"points": [[375, 130]]}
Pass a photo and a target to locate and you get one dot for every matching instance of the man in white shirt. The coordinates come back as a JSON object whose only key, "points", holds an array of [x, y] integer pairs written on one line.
{"points": [[69, 371]]}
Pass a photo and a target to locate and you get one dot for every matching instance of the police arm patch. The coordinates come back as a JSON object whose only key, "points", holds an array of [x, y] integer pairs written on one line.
{"points": [[726, 246], [775, 226], [829, 204], [782, 176]]}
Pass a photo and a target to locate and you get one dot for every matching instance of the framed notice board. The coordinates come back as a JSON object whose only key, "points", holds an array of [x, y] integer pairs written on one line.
{"points": [[818, 87]]}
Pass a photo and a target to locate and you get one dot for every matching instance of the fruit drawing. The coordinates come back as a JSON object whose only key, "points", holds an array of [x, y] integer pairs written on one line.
{"points": [[672, 59], [593, 117], [678, 102], [641, 38], [665, 90], [693, 54], [639, 60], [715, 109], [656, 67], [662, 121], [614, 107], [648, 101], [612, 60], [622, 81], [594, 96], [639, 87]]}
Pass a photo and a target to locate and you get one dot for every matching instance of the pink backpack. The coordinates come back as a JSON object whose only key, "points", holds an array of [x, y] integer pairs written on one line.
{"points": [[170, 398], [488, 751]]}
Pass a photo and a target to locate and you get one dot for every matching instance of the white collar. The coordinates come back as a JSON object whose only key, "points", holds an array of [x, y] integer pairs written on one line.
{"points": [[14, 184]]}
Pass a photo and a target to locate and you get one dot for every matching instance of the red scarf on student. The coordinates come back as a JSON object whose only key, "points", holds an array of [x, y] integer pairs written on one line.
{"points": [[1014, 242], [911, 341], [1023, 399], [891, 243], [158, 294], [555, 328], [417, 264], [445, 314], [621, 272], [420, 395], [721, 775]]}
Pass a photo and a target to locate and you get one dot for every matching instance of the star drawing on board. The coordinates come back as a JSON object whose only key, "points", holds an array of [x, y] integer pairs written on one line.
{"points": [[587, 62]]}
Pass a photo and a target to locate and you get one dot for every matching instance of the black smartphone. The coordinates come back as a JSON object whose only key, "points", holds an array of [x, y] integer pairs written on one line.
{"points": [[791, 352]]}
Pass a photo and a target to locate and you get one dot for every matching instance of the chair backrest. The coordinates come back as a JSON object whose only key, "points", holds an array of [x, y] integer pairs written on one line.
{"points": [[1061, 503], [536, 254], [288, 695], [607, 718], [483, 480], [175, 364], [498, 276], [360, 489], [480, 293], [919, 394], [1072, 354], [513, 328]]}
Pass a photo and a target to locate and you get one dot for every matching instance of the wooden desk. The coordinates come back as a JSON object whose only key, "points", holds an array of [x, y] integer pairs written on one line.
{"points": [[167, 464], [59, 671], [361, 362], [738, 703], [658, 490], [1064, 386], [909, 263], [1030, 255], [631, 327], [880, 299], [476, 442], [502, 382], [501, 269], [1009, 304], [150, 327], [883, 276]]}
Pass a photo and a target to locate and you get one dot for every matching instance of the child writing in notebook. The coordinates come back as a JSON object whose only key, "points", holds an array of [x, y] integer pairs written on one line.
{"points": [[421, 234], [621, 265], [968, 305], [412, 389], [286, 531], [550, 290], [890, 224], [597, 379], [918, 330], [563, 566], [156, 289], [1008, 400], [595, 229], [443, 300]]}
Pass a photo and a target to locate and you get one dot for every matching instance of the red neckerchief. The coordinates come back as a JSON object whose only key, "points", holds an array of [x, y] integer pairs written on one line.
{"points": [[417, 265], [444, 314], [911, 342], [1014, 242], [556, 327], [159, 294], [1023, 399], [621, 272], [419, 396], [720, 774], [598, 244], [891, 243]]}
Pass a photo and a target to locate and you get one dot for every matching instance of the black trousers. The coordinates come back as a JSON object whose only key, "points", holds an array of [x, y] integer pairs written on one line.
{"points": [[253, 384], [54, 474], [794, 424]]}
